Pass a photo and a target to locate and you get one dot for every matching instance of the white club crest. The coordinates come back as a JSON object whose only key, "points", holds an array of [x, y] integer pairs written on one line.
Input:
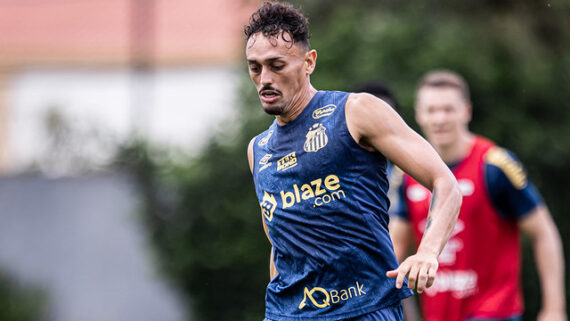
{"points": [[316, 138]]}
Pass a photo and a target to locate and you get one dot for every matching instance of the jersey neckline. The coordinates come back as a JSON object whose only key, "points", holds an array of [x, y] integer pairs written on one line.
{"points": [[302, 115]]}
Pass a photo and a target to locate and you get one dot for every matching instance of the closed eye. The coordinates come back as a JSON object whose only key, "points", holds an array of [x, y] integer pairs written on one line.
{"points": [[277, 67], [254, 68]]}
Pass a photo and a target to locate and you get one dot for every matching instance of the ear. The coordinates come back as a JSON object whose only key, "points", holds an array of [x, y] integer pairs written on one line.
{"points": [[468, 112], [417, 115], [417, 112], [310, 61]]}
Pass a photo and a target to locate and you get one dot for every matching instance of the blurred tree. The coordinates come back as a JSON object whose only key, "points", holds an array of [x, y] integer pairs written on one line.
{"points": [[72, 146], [202, 211], [19, 303], [205, 220]]}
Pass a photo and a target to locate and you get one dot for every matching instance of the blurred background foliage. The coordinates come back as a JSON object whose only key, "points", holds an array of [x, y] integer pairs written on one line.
{"points": [[201, 210], [20, 302]]}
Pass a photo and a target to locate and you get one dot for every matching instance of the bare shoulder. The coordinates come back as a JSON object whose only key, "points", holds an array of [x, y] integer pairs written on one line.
{"points": [[367, 115], [362, 102], [250, 153], [364, 107]]}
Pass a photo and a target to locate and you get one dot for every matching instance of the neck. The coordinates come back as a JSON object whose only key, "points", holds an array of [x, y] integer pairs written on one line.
{"points": [[456, 151], [297, 105]]}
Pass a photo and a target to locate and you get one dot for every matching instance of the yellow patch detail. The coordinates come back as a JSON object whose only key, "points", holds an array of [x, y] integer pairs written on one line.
{"points": [[265, 139], [287, 161], [324, 111], [309, 294], [324, 191], [268, 205], [513, 170], [321, 298]]}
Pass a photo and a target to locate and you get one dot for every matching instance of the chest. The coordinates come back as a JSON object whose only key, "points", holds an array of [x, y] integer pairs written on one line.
{"points": [[310, 151], [470, 179]]}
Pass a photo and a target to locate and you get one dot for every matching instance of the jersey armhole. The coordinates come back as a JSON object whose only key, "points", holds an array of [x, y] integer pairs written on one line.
{"points": [[351, 141]]}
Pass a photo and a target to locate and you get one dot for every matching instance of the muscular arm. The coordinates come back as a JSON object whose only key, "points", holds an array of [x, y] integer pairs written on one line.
{"points": [[272, 269], [374, 125], [547, 246]]}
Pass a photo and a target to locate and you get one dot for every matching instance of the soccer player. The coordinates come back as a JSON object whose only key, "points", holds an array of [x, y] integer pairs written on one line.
{"points": [[319, 175], [479, 269]]}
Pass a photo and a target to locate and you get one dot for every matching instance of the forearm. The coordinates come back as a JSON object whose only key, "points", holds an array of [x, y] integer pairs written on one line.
{"points": [[444, 209], [550, 265], [421, 268]]}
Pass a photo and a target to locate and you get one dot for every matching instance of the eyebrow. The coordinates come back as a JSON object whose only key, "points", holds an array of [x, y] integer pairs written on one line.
{"points": [[268, 60]]}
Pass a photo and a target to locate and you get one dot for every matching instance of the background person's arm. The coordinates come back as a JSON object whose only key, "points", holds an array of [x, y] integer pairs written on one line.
{"points": [[547, 246], [515, 197], [399, 227], [374, 125], [401, 234]]}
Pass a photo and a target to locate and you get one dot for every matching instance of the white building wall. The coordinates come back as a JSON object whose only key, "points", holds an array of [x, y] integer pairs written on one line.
{"points": [[178, 107], [81, 241]]}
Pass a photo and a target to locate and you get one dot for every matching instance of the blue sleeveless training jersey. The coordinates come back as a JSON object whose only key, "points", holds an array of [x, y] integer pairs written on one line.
{"points": [[323, 198]]}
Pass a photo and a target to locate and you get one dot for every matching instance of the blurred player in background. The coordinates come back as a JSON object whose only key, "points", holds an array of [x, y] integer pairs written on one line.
{"points": [[479, 269], [320, 177]]}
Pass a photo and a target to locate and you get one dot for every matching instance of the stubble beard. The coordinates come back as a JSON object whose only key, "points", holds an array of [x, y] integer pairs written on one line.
{"points": [[274, 110]]}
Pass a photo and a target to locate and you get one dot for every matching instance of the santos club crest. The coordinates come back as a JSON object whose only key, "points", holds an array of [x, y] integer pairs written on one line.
{"points": [[316, 138]]}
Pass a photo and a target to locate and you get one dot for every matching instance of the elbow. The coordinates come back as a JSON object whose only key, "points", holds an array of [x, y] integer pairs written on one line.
{"points": [[453, 195], [459, 199], [456, 197]]}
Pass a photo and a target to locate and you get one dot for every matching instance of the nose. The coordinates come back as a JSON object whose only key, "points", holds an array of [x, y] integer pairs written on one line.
{"points": [[438, 117], [266, 77]]}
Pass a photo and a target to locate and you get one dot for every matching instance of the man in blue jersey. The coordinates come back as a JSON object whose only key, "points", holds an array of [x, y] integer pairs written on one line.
{"points": [[320, 177], [479, 269]]}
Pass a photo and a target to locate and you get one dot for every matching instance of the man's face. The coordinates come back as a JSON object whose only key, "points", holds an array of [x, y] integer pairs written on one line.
{"points": [[443, 114], [279, 70]]}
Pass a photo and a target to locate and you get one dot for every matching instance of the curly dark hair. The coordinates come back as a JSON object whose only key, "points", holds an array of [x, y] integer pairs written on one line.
{"points": [[277, 18]]}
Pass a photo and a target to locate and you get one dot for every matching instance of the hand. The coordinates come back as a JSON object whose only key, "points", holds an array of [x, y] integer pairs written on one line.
{"points": [[420, 270], [550, 315]]}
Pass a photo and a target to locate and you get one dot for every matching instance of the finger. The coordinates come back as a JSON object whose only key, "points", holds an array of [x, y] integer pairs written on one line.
{"points": [[392, 274], [422, 279], [413, 277], [432, 272], [402, 272]]}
